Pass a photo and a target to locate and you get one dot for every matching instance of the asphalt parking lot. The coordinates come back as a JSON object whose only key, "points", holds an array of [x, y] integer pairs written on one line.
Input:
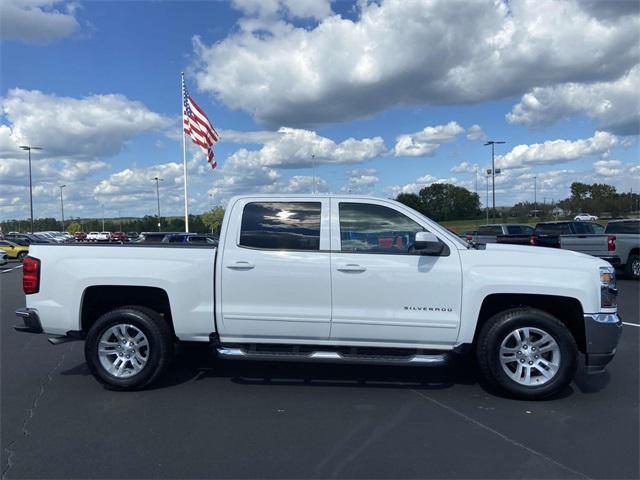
{"points": [[210, 418]]}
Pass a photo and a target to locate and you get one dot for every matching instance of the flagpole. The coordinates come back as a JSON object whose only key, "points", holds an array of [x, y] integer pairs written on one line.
{"points": [[184, 155]]}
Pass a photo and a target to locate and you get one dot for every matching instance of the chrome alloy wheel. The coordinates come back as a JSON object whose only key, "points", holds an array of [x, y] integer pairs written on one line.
{"points": [[635, 267], [123, 350], [530, 356]]}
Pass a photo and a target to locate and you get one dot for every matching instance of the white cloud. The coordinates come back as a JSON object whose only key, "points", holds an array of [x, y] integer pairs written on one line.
{"points": [[15, 171], [248, 171], [97, 126], [37, 21], [464, 167], [476, 133], [405, 53], [317, 9], [614, 104], [608, 168], [255, 137], [426, 141], [557, 151], [422, 182], [294, 148]]}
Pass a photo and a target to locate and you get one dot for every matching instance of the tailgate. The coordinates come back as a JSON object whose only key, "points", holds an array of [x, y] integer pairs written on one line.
{"points": [[589, 244]]}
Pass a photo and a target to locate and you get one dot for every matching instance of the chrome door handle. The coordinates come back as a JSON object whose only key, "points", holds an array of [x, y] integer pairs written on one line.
{"points": [[241, 265], [351, 267]]}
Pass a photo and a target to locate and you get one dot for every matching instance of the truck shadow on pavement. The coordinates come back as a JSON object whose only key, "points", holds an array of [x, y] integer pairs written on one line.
{"points": [[196, 362]]}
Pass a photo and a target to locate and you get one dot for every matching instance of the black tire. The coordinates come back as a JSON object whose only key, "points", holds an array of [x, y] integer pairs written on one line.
{"points": [[21, 256], [629, 267], [160, 349], [498, 328]]}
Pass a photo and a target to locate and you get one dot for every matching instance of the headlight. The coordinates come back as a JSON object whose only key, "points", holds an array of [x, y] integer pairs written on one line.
{"points": [[608, 290]]}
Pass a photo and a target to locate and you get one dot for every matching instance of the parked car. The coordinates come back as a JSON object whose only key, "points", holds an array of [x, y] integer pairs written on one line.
{"points": [[80, 236], [189, 239], [13, 250], [132, 235], [155, 237], [119, 237], [92, 236], [392, 291], [627, 244], [585, 217], [512, 233], [26, 239], [50, 236], [4, 258]]}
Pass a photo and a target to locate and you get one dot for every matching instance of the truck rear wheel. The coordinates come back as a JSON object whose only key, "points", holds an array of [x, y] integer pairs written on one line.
{"points": [[527, 353], [128, 348], [633, 267]]}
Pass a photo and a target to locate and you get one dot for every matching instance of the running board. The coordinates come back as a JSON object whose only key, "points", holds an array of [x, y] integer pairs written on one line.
{"points": [[234, 353]]}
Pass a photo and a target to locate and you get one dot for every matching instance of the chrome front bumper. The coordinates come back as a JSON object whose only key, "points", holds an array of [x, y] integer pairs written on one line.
{"points": [[602, 333]]}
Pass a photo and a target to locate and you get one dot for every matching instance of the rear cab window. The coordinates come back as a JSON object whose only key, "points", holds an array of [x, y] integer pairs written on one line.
{"points": [[632, 227], [281, 226]]}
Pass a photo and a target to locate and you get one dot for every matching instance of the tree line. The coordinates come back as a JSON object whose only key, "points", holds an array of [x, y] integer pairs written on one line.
{"points": [[208, 222], [439, 201]]}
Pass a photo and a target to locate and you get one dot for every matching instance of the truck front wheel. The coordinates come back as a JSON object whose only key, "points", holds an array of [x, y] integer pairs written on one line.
{"points": [[527, 353], [128, 348]]}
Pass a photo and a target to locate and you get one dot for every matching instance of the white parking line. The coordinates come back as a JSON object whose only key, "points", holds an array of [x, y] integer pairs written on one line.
{"points": [[631, 324], [11, 269]]}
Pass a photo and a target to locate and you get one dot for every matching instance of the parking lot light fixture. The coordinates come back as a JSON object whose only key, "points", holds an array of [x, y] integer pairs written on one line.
{"points": [[158, 180], [29, 148], [493, 143]]}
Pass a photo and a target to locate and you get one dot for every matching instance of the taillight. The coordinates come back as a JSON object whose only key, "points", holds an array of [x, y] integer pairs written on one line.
{"points": [[469, 238], [533, 240], [31, 275], [611, 243]]}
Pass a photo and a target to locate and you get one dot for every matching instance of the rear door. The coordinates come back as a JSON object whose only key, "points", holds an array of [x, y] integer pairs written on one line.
{"points": [[382, 291], [274, 271]]}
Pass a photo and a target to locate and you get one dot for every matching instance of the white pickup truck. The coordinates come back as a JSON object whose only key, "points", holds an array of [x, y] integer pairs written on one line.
{"points": [[328, 279]]}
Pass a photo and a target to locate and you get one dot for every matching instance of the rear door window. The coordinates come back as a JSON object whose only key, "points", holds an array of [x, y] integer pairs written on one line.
{"points": [[490, 230], [281, 225], [623, 227]]}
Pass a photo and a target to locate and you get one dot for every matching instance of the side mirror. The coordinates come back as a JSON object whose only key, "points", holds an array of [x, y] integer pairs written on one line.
{"points": [[426, 243]]}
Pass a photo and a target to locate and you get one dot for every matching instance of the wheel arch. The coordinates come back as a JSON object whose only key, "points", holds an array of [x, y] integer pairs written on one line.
{"points": [[100, 299], [566, 309]]}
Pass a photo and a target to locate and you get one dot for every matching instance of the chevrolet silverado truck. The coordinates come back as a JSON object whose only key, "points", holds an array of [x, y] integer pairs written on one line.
{"points": [[583, 237], [328, 279], [626, 244]]}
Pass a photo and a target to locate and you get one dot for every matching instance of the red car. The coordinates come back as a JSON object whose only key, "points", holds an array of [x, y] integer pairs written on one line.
{"points": [[80, 236], [119, 237]]}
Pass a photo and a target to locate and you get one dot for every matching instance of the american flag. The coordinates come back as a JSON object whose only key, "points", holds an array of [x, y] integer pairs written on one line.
{"points": [[198, 126]]}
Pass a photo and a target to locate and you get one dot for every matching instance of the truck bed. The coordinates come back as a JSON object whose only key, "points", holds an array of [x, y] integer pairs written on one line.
{"points": [[185, 273]]}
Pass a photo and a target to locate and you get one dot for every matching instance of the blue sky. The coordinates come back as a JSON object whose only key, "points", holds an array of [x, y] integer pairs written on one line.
{"points": [[386, 96]]}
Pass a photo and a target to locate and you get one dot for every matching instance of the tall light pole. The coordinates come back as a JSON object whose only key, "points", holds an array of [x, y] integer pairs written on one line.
{"points": [[120, 218], [62, 205], [535, 193], [158, 180], [493, 169], [103, 217], [487, 202], [29, 148], [313, 167]]}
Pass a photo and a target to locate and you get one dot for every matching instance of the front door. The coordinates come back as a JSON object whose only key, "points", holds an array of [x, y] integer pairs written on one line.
{"points": [[382, 291], [275, 280]]}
